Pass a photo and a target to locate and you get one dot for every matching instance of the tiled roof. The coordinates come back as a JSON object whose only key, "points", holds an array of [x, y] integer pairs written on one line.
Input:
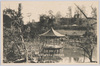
{"points": [[72, 32], [51, 33]]}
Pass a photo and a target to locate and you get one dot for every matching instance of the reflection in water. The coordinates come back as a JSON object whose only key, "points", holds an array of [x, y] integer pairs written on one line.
{"points": [[65, 55], [73, 60], [69, 56]]}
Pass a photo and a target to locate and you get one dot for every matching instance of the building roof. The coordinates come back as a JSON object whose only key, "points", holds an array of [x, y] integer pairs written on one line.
{"points": [[52, 33], [72, 32]]}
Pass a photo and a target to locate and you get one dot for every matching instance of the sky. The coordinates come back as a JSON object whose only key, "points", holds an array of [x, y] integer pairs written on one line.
{"points": [[36, 8]]}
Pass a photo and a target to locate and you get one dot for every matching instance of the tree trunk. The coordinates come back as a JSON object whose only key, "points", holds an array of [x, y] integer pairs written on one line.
{"points": [[26, 51], [26, 56], [90, 56], [84, 57], [90, 59]]}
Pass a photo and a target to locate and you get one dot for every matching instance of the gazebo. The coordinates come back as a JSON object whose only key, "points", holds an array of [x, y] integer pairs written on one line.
{"points": [[52, 42], [51, 37]]}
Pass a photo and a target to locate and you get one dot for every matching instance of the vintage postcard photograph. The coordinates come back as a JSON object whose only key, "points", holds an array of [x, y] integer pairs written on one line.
{"points": [[55, 32]]}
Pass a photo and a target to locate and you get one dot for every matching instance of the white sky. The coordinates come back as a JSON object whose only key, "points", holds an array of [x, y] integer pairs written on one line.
{"points": [[42, 7]]}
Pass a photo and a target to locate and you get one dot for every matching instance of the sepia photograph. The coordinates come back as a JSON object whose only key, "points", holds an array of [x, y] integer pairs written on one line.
{"points": [[58, 32]]}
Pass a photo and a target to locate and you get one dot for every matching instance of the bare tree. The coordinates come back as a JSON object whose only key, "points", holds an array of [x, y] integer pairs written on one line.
{"points": [[89, 40], [70, 11], [94, 12]]}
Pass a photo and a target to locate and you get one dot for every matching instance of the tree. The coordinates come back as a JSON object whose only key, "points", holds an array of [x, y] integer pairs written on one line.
{"points": [[89, 40], [43, 24], [8, 33], [94, 12], [58, 14], [70, 11], [18, 24], [8, 16], [51, 19], [14, 33], [31, 30], [88, 43], [46, 22], [57, 18]]}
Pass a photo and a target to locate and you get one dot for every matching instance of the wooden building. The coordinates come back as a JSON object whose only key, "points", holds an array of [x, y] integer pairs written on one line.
{"points": [[52, 44]]}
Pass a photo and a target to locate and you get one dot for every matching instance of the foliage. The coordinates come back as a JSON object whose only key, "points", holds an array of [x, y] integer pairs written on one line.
{"points": [[12, 34]]}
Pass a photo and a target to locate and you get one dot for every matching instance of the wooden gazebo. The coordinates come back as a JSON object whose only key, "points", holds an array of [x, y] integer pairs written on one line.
{"points": [[51, 37], [52, 42]]}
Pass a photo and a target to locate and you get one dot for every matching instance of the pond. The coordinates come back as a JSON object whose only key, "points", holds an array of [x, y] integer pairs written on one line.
{"points": [[68, 54]]}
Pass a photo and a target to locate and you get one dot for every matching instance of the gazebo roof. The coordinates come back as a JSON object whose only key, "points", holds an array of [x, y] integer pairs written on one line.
{"points": [[52, 33]]}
